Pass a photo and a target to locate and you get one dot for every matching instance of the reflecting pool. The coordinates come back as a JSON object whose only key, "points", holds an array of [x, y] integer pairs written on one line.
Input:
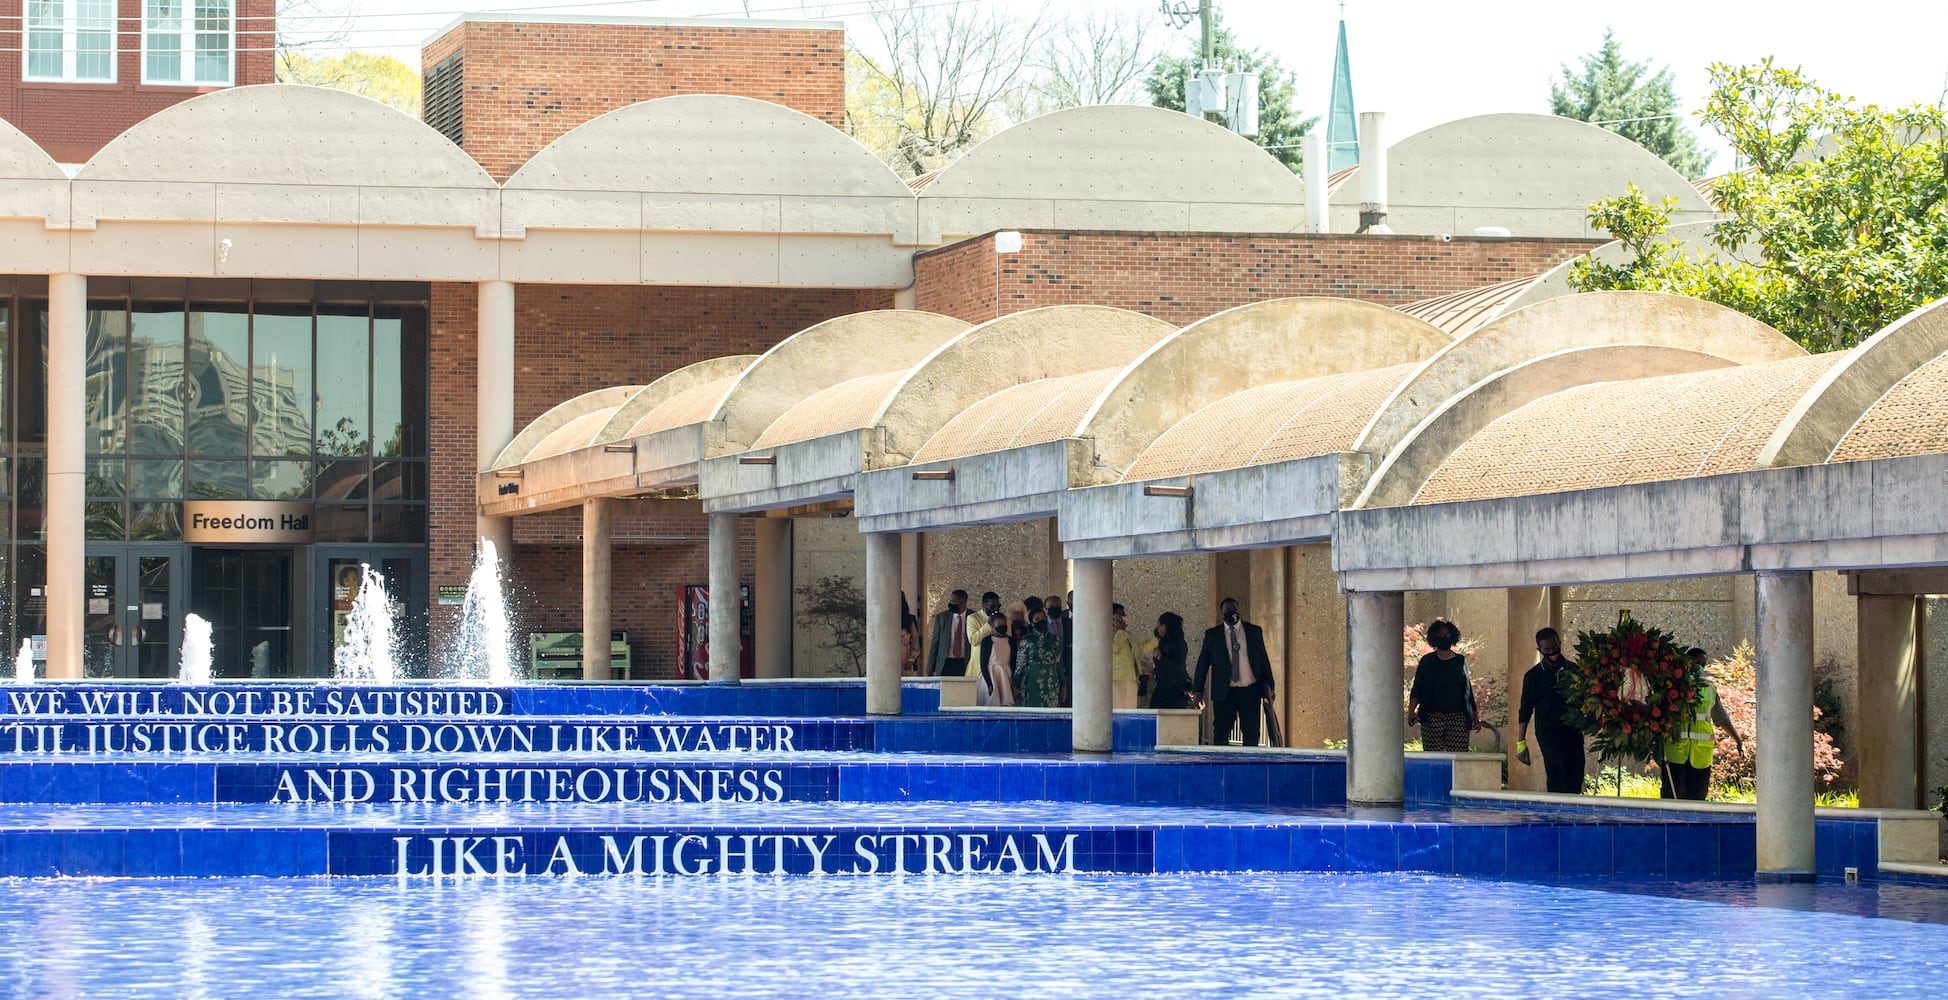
{"points": [[1060, 936]]}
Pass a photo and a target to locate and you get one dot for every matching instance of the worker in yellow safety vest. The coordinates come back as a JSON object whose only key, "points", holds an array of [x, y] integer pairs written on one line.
{"points": [[1687, 755]]}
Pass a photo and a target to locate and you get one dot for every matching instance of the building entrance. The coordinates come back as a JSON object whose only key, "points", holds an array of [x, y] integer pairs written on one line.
{"points": [[247, 596], [133, 619]]}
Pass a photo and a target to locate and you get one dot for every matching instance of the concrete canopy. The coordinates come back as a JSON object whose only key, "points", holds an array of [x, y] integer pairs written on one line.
{"points": [[33, 204], [787, 199], [1461, 313], [1851, 394], [301, 181], [1112, 167], [1536, 175]]}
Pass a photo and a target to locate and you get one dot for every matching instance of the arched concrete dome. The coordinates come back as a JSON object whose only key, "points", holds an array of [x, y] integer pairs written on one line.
{"points": [[1539, 351], [618, 413], [277, 153], [1460, 313], [816, 362], [1537, 175], [1262, 344], [1020, 379], [566, 426], [1113, 167], [1847, 403], [711, 163], [1636, 431], [34, 190]]}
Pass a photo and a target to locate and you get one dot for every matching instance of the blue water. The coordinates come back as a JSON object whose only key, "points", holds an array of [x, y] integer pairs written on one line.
{"points": [[1054, 936]]}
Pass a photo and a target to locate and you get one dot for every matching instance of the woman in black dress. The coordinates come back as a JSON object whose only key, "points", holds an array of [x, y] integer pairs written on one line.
{"points": [[1172, 672], [1442, 699]]}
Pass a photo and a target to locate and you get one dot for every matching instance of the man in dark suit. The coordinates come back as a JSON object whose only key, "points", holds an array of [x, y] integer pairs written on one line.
{"points": [[947, 656], [1234, 650]]}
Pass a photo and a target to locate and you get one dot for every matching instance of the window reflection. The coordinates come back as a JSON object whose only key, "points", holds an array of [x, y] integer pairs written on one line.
{"points": [[280, 375], [156, 378], [105, 405], [218, 382], [344, 375]]}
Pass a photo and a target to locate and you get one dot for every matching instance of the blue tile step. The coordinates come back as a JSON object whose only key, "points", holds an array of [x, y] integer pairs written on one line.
{"points": [[1158, 779]]}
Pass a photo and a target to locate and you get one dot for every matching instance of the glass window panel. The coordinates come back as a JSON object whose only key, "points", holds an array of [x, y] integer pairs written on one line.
{"points": [[106, 521], [343, 480], [218, 383], [6, 490], [399, 481], [92, 59], [45, 39], [399, 523], [210, 480], [106, 406], [212, 15], [107, 478], [28, 376], [156, 378], [212, 58], [399, 373], [280, 480], [344, 376], [157, 478], [280, 374], [164, 15], [155, 522], [163, 57], [340, 523], [30, 495]]}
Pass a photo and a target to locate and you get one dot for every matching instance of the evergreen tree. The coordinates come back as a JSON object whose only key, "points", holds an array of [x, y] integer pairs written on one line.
{"points": [[1641, 105], [1280, 123]]}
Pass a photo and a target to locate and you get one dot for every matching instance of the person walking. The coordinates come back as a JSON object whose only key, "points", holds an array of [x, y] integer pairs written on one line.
{"points": [[909, 639], [978, 630], [947, 654], [1122, 659], [1442, 699], [1040, 661], [1561, 742], [1170, 678], [996, 655], [1687, 755], [1234, 650]]}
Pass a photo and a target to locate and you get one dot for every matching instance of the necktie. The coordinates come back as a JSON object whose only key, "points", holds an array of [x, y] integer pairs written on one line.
{"points": [[1237, 666]]}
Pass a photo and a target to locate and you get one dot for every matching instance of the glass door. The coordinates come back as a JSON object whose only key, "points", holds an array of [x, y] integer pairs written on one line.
{"points": [[132, 626], [246, 594], [336, 583]]}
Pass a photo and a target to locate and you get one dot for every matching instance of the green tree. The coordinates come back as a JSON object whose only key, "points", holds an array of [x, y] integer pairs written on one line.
{"points": [[1626, 98], [382, 78], [1280, 123], [1839, 228]]}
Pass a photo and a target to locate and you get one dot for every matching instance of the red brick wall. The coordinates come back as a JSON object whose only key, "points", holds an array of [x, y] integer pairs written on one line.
{"points": [[528, 83], [1182, 277], [72, 121], [570, 340]]}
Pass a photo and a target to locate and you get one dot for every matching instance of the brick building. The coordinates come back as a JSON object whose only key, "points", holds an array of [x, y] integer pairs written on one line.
{"points": [[369, 310], [75, 75]]}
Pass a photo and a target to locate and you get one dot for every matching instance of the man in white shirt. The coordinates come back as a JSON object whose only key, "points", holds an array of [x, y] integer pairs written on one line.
{"points": [[1241, 674], [947, 656]]}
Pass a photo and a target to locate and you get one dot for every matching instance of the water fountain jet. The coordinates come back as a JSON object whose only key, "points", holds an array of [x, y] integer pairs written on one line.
{"points": [[24, 663], [369, 653], [483, 645], [193, 666]]}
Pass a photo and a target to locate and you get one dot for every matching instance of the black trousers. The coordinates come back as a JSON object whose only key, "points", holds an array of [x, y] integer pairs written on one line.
{"points": [[953, 666], [1239, 704], [1682, 781], [1562, 759]]}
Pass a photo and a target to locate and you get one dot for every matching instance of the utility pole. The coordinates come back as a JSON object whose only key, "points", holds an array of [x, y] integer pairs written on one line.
{"points": [[1204, 15]]}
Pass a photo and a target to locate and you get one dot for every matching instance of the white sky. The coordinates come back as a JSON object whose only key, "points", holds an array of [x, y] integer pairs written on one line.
{"points": [[1422, 61]]}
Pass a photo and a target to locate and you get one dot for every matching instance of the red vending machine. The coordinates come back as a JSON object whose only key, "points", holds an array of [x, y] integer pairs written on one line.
{"points": [[693, 631]]}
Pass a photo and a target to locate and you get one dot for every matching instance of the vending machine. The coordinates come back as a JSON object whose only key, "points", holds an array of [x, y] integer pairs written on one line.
{"points": [[693, 631]]}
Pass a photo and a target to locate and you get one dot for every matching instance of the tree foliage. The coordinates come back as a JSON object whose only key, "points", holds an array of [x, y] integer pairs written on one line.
{"points": [[836, 606], [1838, 227], [1093, 58], [938, 83], [382, 78], [1280, 123], [1628, 99]]}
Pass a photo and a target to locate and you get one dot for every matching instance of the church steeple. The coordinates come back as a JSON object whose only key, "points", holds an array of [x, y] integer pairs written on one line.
{"points": [[1342, 124]]}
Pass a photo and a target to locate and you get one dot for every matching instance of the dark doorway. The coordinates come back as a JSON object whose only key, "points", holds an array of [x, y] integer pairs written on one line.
{"points": [[245, 594]]}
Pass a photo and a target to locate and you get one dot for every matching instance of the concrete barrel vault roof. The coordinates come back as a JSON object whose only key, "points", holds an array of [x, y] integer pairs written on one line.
{"points": [[567, 425], [1461, 313], [1896, 367], [341, 186], [1539, 351], [810, 372], [1020, 379], [1534, 174], [747, 170], [1112, 167], [1264, 345]]}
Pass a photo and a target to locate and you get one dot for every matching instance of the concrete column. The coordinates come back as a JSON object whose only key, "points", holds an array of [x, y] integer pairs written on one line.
{"points": [[1315, 644], [1094, 716], [595, 589], [882, 623], [1376, 764], [66, 514], [1888, 702], [1267, 603], [1785, 737], [1528, 613], [726, 649], [1058, 567], [771, 598], [494, 397]]}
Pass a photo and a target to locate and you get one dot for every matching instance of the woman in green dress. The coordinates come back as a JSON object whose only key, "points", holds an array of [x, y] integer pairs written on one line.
{"points": [[1038, 661]]}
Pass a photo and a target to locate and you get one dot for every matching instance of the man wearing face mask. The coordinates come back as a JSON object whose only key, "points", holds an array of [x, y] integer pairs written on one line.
{"points": [[1234, 650]]}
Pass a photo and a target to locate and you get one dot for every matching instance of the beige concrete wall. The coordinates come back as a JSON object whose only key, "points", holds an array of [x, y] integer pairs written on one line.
{"points": [[1836, 654], [1934, 699], [1010, 559], [1148, 587], [1315, 642], [1698, 611], [821, 547]]}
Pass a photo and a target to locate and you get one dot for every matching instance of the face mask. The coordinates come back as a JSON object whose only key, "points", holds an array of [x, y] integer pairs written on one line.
{"points": [[1158, 631], [1231, 618]]}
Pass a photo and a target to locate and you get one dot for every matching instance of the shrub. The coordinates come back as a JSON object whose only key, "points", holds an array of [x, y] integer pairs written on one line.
{"points": [[1736, 678]]}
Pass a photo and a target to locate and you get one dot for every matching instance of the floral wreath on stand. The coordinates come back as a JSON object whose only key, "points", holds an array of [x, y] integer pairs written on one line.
{"points": [[1632, 688]]}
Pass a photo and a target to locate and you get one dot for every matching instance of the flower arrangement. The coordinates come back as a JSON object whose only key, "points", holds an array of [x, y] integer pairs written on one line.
{"points": [[1632, 686]]}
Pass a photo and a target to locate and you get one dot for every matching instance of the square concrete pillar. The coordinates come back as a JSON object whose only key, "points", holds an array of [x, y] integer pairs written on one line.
{"points": [[1785, 737], [494, 397], [1315, 648], [1376, 759], [771, 598], [882, 623], [726, 646], [1889, 702], [66, 511], [596, 660]]}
